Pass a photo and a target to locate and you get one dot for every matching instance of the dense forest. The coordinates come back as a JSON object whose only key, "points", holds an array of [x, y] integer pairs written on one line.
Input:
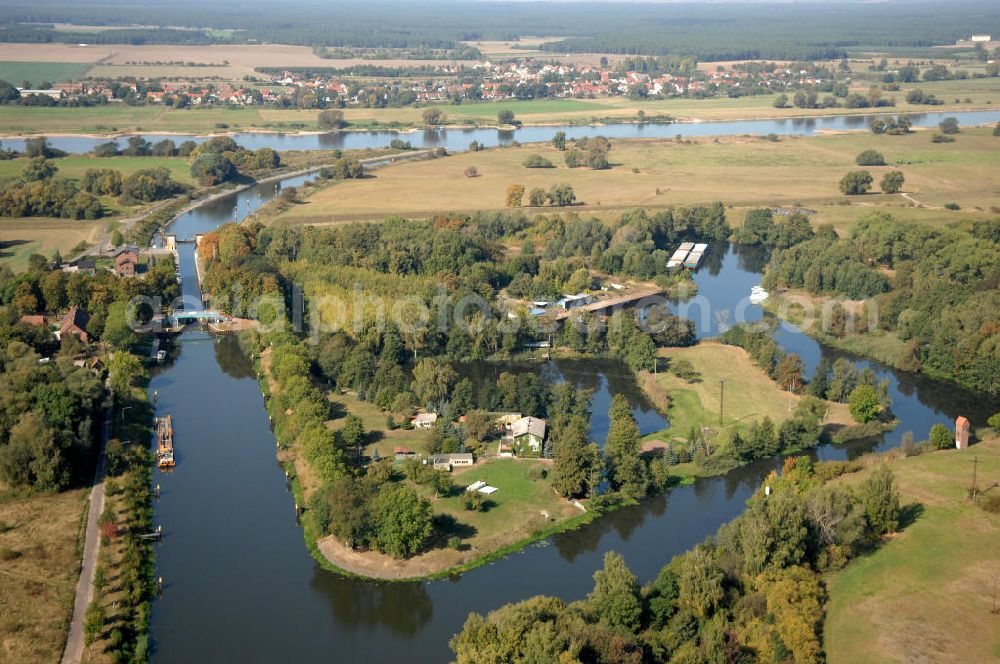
{"points": [[715, 31], [51, 398], [935, 288]]}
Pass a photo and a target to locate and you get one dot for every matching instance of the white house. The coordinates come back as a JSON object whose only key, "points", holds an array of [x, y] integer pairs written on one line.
{"points": [[529, 432], [424, 420]]}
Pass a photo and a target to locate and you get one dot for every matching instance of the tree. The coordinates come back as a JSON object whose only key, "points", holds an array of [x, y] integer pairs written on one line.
{"points": [[788, 372], [124, 368], [212, 168], [870, 158], [571, 466], [432, 380], [505, 117], [781, 101], [949, 126], [39, 169], [561, 195], [941, 437], [402, 519], [865, 403], [537, 197], [892, 182], [625, 468], [117, 331], [559, 141], [880, 501], [331, 119], [855, 183], [616, 594], [514, 195], [434, 116], [700, 581]]}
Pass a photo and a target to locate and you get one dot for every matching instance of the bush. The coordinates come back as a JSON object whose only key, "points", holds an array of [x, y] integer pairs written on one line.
{"points": [[537, 161], [870, 158], [949, 126], [471, 172], [952, 206], [941, 438], [941, 138], [331, 119]]}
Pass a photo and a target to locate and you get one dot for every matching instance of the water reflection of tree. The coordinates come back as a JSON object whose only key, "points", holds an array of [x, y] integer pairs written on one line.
{"points": [[624, 522], [752, 258], [714, 258], [403, 608], [231, 358]]}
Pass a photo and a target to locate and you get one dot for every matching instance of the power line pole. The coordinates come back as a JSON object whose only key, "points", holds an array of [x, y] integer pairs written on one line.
{"points": [[975, 490], [722, 398]]}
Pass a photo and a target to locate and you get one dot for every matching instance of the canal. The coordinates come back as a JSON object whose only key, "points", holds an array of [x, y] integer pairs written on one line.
{"points": [[241, 586]]}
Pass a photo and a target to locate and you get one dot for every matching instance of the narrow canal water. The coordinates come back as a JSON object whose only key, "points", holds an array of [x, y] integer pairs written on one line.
{"points": [[455, 139], [241, 586]]}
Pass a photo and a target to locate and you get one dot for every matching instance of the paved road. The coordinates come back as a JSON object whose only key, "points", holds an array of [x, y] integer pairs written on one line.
{"points": [[84, 587]]}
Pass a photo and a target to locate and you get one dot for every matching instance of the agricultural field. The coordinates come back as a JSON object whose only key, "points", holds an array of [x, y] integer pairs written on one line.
{"points": [[152, 71], [19, 238], [15, 72], [925, 594], [750, 395], [39, 567], [740, 171]]}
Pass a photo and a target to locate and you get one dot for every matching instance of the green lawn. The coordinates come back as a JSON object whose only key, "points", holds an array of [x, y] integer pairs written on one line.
{"points": [[516, 510], [925, 594], [15, 71]]}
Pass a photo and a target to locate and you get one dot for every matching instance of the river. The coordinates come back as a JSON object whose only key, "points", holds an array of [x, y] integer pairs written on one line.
{"points": [[455, 139], [241, 586]]}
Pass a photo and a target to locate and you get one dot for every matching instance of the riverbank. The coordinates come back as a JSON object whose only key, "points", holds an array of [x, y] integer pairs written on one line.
{"points": [[21, 122]]}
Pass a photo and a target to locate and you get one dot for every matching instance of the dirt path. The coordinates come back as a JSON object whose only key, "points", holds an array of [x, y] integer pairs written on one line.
{"points": [[918, 203], [92, 542]]}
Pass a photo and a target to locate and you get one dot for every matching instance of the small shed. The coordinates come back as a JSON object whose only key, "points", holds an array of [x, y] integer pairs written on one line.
{"points": [[961, 432]]}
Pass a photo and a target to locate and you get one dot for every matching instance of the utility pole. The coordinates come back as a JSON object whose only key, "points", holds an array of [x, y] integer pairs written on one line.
{"points": [[722, 398], [975, 489]]}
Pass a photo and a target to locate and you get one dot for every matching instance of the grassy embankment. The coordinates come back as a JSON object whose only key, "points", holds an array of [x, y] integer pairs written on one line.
{"points": [[750, 396], [740, 171], [927, 593], [128, 498], [982, 93]]}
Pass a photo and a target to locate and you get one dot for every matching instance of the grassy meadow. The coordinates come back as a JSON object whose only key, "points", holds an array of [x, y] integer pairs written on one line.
{"points": [[39, 568], [926, 594], [750, 395], [740, 171]]}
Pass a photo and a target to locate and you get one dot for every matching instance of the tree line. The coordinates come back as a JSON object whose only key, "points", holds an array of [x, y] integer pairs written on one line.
{"points": [[753, 592]]}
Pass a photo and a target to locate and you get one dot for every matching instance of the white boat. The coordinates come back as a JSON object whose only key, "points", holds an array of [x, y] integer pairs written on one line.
{"points": [[161, 356], [758, 294]]}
